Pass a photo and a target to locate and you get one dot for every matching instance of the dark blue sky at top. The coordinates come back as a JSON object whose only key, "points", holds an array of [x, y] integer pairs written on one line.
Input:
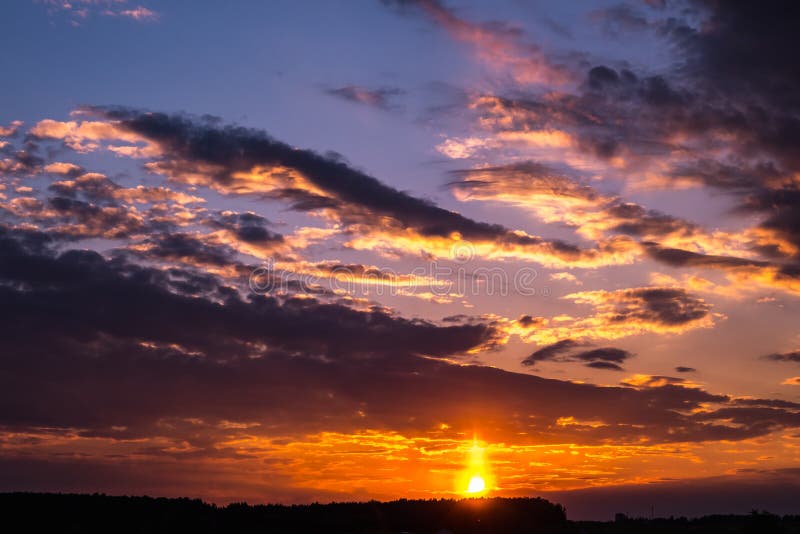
{"points": [[268, 64]]}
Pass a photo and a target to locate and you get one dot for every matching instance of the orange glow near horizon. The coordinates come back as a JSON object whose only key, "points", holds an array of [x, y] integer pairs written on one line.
{"points": [[387, 465]]}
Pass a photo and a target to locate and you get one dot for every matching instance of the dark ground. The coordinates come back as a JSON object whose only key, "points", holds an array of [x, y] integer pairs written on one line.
{"points": [[69, 513]]}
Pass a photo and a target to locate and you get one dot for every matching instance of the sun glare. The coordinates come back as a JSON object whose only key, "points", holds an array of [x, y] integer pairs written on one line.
{"points": [[476, 484], [476, 477]]}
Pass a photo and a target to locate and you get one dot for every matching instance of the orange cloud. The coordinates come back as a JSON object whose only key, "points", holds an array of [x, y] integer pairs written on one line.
{"points": [[6, 131], [498, 46], [618, 314], [60, 167], [84, 136]]}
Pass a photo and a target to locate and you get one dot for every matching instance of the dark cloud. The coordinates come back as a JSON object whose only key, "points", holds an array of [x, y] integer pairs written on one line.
{"points": [[730, 97], [607, 366], [19, 162], [636, 220], [247, 227], [767, 403], [224, 153], [528, 320], [684, 258], [668, 306], [186, 248], [767, 418], [237, 149], [744, 52], [525, 177], [153, 219], [91, 186], [605, 354], [782, 210], [773, 274], [725, 115], [738, 76], [653, 305], [568, 350], [89, 220], [69, 216], [90, 285], [684, 369], [27, 161], [793, 356], [106, 346], [551, 352], [380, 98], [615, 111]]}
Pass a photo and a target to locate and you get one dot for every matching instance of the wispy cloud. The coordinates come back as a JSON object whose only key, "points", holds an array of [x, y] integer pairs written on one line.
{"points": [[381, 98]]}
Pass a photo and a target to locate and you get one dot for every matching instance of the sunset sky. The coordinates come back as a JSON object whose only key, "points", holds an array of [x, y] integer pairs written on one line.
{"points": [[309, 251]]}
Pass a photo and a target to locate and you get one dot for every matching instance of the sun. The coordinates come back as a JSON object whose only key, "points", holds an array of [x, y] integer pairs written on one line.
{"points": [[476, 479], [476, 484]]}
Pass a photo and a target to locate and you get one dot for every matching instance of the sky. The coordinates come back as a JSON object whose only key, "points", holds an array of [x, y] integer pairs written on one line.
{"points": [[313, 251]]}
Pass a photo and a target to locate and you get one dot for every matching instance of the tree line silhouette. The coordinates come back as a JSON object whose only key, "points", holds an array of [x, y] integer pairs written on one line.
{"points": [[73, 513]]}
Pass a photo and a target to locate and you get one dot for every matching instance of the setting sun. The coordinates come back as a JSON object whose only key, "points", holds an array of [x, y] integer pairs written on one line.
{"points": [[476, 477], [476, 484]]}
